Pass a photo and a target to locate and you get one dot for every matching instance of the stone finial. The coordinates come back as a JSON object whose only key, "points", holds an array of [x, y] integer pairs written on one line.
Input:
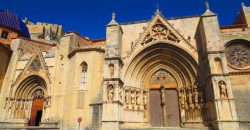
{"points": [[242, 4], [208, 11], [113, 22], [26, 21], [207, 5], [157, 9], [113, 16]]}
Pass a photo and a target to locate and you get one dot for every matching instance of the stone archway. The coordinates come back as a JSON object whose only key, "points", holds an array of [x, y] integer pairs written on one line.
{"points": [[28, 100], [186, 94]]}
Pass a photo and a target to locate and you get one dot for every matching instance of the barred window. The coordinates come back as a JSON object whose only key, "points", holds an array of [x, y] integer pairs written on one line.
{"points": [[84, 68]]}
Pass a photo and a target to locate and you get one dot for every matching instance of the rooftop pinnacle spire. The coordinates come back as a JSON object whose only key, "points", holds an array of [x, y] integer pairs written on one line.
{"points": [[113, 16], [113, 22], [208, 11], [207, 5], [157, 9], [242, 4]]}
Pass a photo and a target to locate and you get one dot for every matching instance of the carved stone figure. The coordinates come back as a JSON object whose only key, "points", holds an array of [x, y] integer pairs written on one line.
{"points": [[145, 100], [127, 97], [163, 99], [110, 93], [138, 98], [182, 98], [223, 89], [120, 94], [190, 99], [133, 98], [47, 102], [196, 96]]}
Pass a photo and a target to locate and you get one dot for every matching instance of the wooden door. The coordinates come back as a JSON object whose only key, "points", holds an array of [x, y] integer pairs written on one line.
{"points": [[156, 111], [172, 108]]}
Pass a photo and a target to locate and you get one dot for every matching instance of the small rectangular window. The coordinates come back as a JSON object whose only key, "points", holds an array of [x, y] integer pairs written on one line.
{"points": [[4, 34]]}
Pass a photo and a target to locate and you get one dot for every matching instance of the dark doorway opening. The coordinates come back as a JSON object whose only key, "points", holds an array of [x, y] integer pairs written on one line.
{"points": [[38, 117]]}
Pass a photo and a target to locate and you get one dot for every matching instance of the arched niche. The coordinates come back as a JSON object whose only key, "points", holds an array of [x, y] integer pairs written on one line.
{"points": [[218, 68]]}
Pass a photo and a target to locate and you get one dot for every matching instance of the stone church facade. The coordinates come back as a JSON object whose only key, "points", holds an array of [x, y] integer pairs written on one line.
{"points": [[185, 72]]}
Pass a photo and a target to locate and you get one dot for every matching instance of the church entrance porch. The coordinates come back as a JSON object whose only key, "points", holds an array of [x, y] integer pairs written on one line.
{"points": [[28, 104], [168, 80]]}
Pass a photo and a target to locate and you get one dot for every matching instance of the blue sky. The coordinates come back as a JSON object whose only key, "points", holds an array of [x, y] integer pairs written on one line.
{"points": [[89, 17]]}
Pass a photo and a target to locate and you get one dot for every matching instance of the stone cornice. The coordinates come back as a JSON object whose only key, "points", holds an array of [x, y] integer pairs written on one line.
{"points": [[239, 73], [114, 58], [217, 75], [72, 53], [215, 52], [113, 79]]}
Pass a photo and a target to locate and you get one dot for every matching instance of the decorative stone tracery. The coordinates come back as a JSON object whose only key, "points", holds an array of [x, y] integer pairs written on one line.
{"points": [[238, 55], [159, 32]]}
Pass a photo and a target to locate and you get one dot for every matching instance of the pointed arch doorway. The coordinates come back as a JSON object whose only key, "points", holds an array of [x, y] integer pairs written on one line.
{"points": [[37, 109], [163, 100], [29, 100]]}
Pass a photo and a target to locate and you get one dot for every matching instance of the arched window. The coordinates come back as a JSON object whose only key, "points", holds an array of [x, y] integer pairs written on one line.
{"points": [[84, 67]]}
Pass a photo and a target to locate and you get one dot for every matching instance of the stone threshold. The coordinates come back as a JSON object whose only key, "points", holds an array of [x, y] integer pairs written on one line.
{"points": [[28, 128]]}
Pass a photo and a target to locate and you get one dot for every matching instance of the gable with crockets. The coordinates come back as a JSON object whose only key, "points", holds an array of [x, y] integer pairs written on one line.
{"points": [[35, 66], [160, 29]]}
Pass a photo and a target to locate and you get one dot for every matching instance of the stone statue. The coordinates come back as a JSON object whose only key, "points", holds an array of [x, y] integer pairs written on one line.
{"points": [[145, 100], [201, 96], [223, 89], [190, 99], [182, 98], [196, 96], [138, 98], [6, 103], [127, 97], [47, 102], [163, 99], [120, 94], [110, 93], [133, 98]]}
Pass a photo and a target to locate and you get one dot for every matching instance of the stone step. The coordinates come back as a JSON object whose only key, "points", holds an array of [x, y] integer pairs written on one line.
{"points": [[167, 128], [29, 128]]}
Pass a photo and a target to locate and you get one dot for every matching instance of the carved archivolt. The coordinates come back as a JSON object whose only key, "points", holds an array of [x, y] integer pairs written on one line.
{"points": [[159, 32]]}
